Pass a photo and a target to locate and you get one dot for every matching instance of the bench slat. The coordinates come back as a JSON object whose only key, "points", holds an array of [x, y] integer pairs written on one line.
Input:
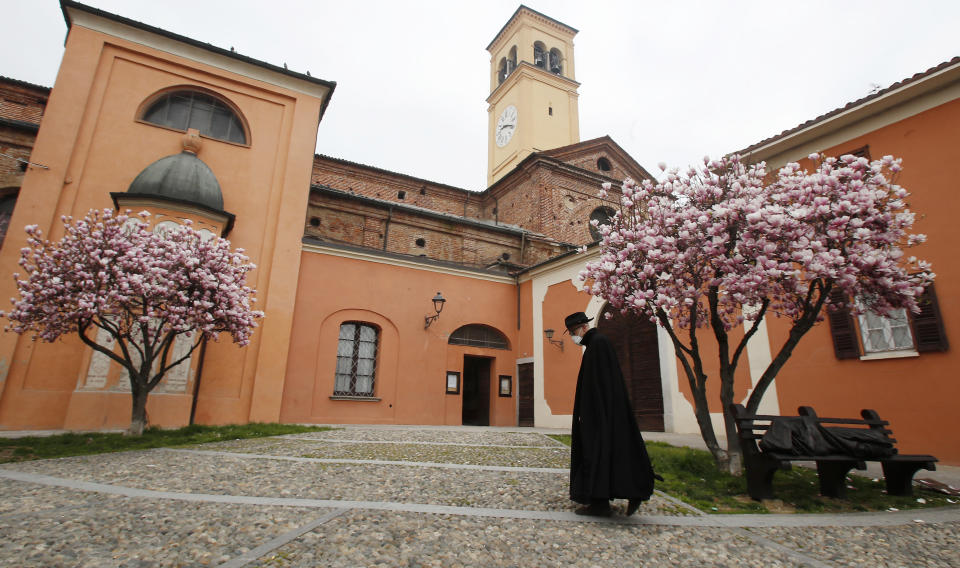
{"points": [[831, 458], [823, 420]]}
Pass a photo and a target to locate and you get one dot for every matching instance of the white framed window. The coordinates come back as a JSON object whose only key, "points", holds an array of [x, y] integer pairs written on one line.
{"points": [[885, 333]]}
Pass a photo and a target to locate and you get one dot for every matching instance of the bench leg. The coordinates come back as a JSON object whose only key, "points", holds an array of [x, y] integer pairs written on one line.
{"points": [[760, 478], [899, 476], [833, 477]]}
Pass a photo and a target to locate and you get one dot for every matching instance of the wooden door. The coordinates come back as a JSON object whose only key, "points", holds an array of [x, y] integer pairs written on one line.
{"points": [[635, 340], [525, 394], [476, 391]]}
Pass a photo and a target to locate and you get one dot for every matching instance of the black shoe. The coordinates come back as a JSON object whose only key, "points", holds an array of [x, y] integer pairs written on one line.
{"points": [[633, 505], [595, 510]]}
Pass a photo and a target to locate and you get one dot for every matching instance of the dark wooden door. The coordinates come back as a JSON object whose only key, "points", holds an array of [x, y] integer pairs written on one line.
{"points": [[476, 391], [635, 340], [525, 394]]}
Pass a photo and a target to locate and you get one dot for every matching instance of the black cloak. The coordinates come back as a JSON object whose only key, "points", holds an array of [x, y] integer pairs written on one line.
{"points": [[608, 459]]}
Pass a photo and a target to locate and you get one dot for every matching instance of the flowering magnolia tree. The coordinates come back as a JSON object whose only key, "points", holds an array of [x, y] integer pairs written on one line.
{"points": [[145, 289], [724, 245]]}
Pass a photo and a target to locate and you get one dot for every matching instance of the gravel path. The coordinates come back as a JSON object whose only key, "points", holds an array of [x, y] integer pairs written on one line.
{"points": [[402, 497]]}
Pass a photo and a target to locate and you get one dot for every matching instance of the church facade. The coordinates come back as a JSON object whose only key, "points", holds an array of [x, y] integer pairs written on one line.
{"points": [[389, 299]]}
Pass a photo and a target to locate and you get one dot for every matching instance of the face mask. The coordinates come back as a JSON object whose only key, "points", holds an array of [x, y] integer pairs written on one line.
{"points": [[576, 339]]}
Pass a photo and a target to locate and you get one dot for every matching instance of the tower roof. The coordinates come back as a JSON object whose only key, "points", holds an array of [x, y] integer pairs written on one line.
{"points": [[182, 177], [543, 17]]}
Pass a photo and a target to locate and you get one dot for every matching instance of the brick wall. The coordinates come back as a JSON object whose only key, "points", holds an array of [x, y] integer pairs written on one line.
{"points": [[17, 143], [553, 201], [398, 188], [590, 162], [23, 102], [344, 220]]}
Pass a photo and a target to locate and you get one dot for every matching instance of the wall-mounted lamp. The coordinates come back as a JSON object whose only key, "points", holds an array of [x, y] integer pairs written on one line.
{"points": [[549, 334], [438, 302]]}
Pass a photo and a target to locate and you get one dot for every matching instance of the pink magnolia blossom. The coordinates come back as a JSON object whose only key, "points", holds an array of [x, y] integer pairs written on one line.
{"points": [[144, 288], [725, 244], [722, 226]]}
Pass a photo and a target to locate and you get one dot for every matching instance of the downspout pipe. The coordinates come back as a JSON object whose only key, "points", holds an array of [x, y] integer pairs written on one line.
{"points": [[386, 229]]}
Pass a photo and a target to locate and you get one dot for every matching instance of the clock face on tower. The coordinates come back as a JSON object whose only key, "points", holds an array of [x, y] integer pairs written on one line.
{"points": [[506, 125]]}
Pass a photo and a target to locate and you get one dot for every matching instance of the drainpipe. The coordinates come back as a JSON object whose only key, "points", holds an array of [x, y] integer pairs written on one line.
{"points": [[386, 229], [516, 278]]}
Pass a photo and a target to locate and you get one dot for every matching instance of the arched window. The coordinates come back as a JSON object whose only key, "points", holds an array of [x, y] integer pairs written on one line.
{"points": [[502, 73], [603, 164], [181, 110], [556, 61], [478, 335], [540, 55], [602, 215], [512, 60], [164, 226], [356, 359]]}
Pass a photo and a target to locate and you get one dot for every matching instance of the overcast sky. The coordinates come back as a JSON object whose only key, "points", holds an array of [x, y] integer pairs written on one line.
{"points": [[668, 81]]}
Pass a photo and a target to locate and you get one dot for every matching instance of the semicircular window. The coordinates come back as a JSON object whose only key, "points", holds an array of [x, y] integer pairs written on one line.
{"points": [[181, 110], [478, 335], [603, 216]]}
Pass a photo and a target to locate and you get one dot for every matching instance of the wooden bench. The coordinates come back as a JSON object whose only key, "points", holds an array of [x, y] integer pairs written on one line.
{"points": [[832, 470]]}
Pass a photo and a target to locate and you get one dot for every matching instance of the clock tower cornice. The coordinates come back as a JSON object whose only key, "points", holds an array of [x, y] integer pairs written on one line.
{"points": [[526, 69], [515, 21]]}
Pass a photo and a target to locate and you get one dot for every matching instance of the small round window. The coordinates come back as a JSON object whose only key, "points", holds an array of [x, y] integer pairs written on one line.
{"points": [[181, 110], [602, 215], [603, 165]]}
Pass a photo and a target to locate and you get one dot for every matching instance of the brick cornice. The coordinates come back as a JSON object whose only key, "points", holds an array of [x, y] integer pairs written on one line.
{"points": [[421, 211]]}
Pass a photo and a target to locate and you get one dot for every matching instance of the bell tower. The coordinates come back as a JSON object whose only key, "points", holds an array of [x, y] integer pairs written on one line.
{"points": [[533, 94]]}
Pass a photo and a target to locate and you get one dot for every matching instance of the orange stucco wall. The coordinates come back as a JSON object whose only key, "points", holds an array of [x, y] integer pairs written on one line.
{"points": [[93, 144], [412, 361], [918, 395], [709, 354], [560, 368]]}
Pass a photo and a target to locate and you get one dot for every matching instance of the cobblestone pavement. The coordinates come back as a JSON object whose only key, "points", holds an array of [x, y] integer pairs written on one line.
{"points": [[403, 497]]}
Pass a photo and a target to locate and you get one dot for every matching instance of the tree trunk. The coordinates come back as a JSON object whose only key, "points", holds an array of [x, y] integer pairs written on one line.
{"points": [[702, 412], [697, 380], [138, 415], [734, 452]]}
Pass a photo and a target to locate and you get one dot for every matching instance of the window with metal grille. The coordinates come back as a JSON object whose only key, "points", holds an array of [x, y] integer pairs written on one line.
{"points": [[356, 359], [477, 335], [181, 110]]}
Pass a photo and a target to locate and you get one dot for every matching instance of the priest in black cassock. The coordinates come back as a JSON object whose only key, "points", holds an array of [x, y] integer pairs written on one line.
{"points": [[608, 459]]}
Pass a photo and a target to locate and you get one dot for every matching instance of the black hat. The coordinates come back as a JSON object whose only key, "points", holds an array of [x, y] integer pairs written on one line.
{"points": [[575, 319]]}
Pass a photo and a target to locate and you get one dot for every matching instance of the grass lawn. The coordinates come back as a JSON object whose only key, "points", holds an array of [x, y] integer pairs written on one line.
{"points": [[690, 475], [77, 444]]}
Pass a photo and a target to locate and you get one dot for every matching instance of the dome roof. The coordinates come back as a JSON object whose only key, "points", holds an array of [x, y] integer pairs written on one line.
{"points": [[183, 177]]}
